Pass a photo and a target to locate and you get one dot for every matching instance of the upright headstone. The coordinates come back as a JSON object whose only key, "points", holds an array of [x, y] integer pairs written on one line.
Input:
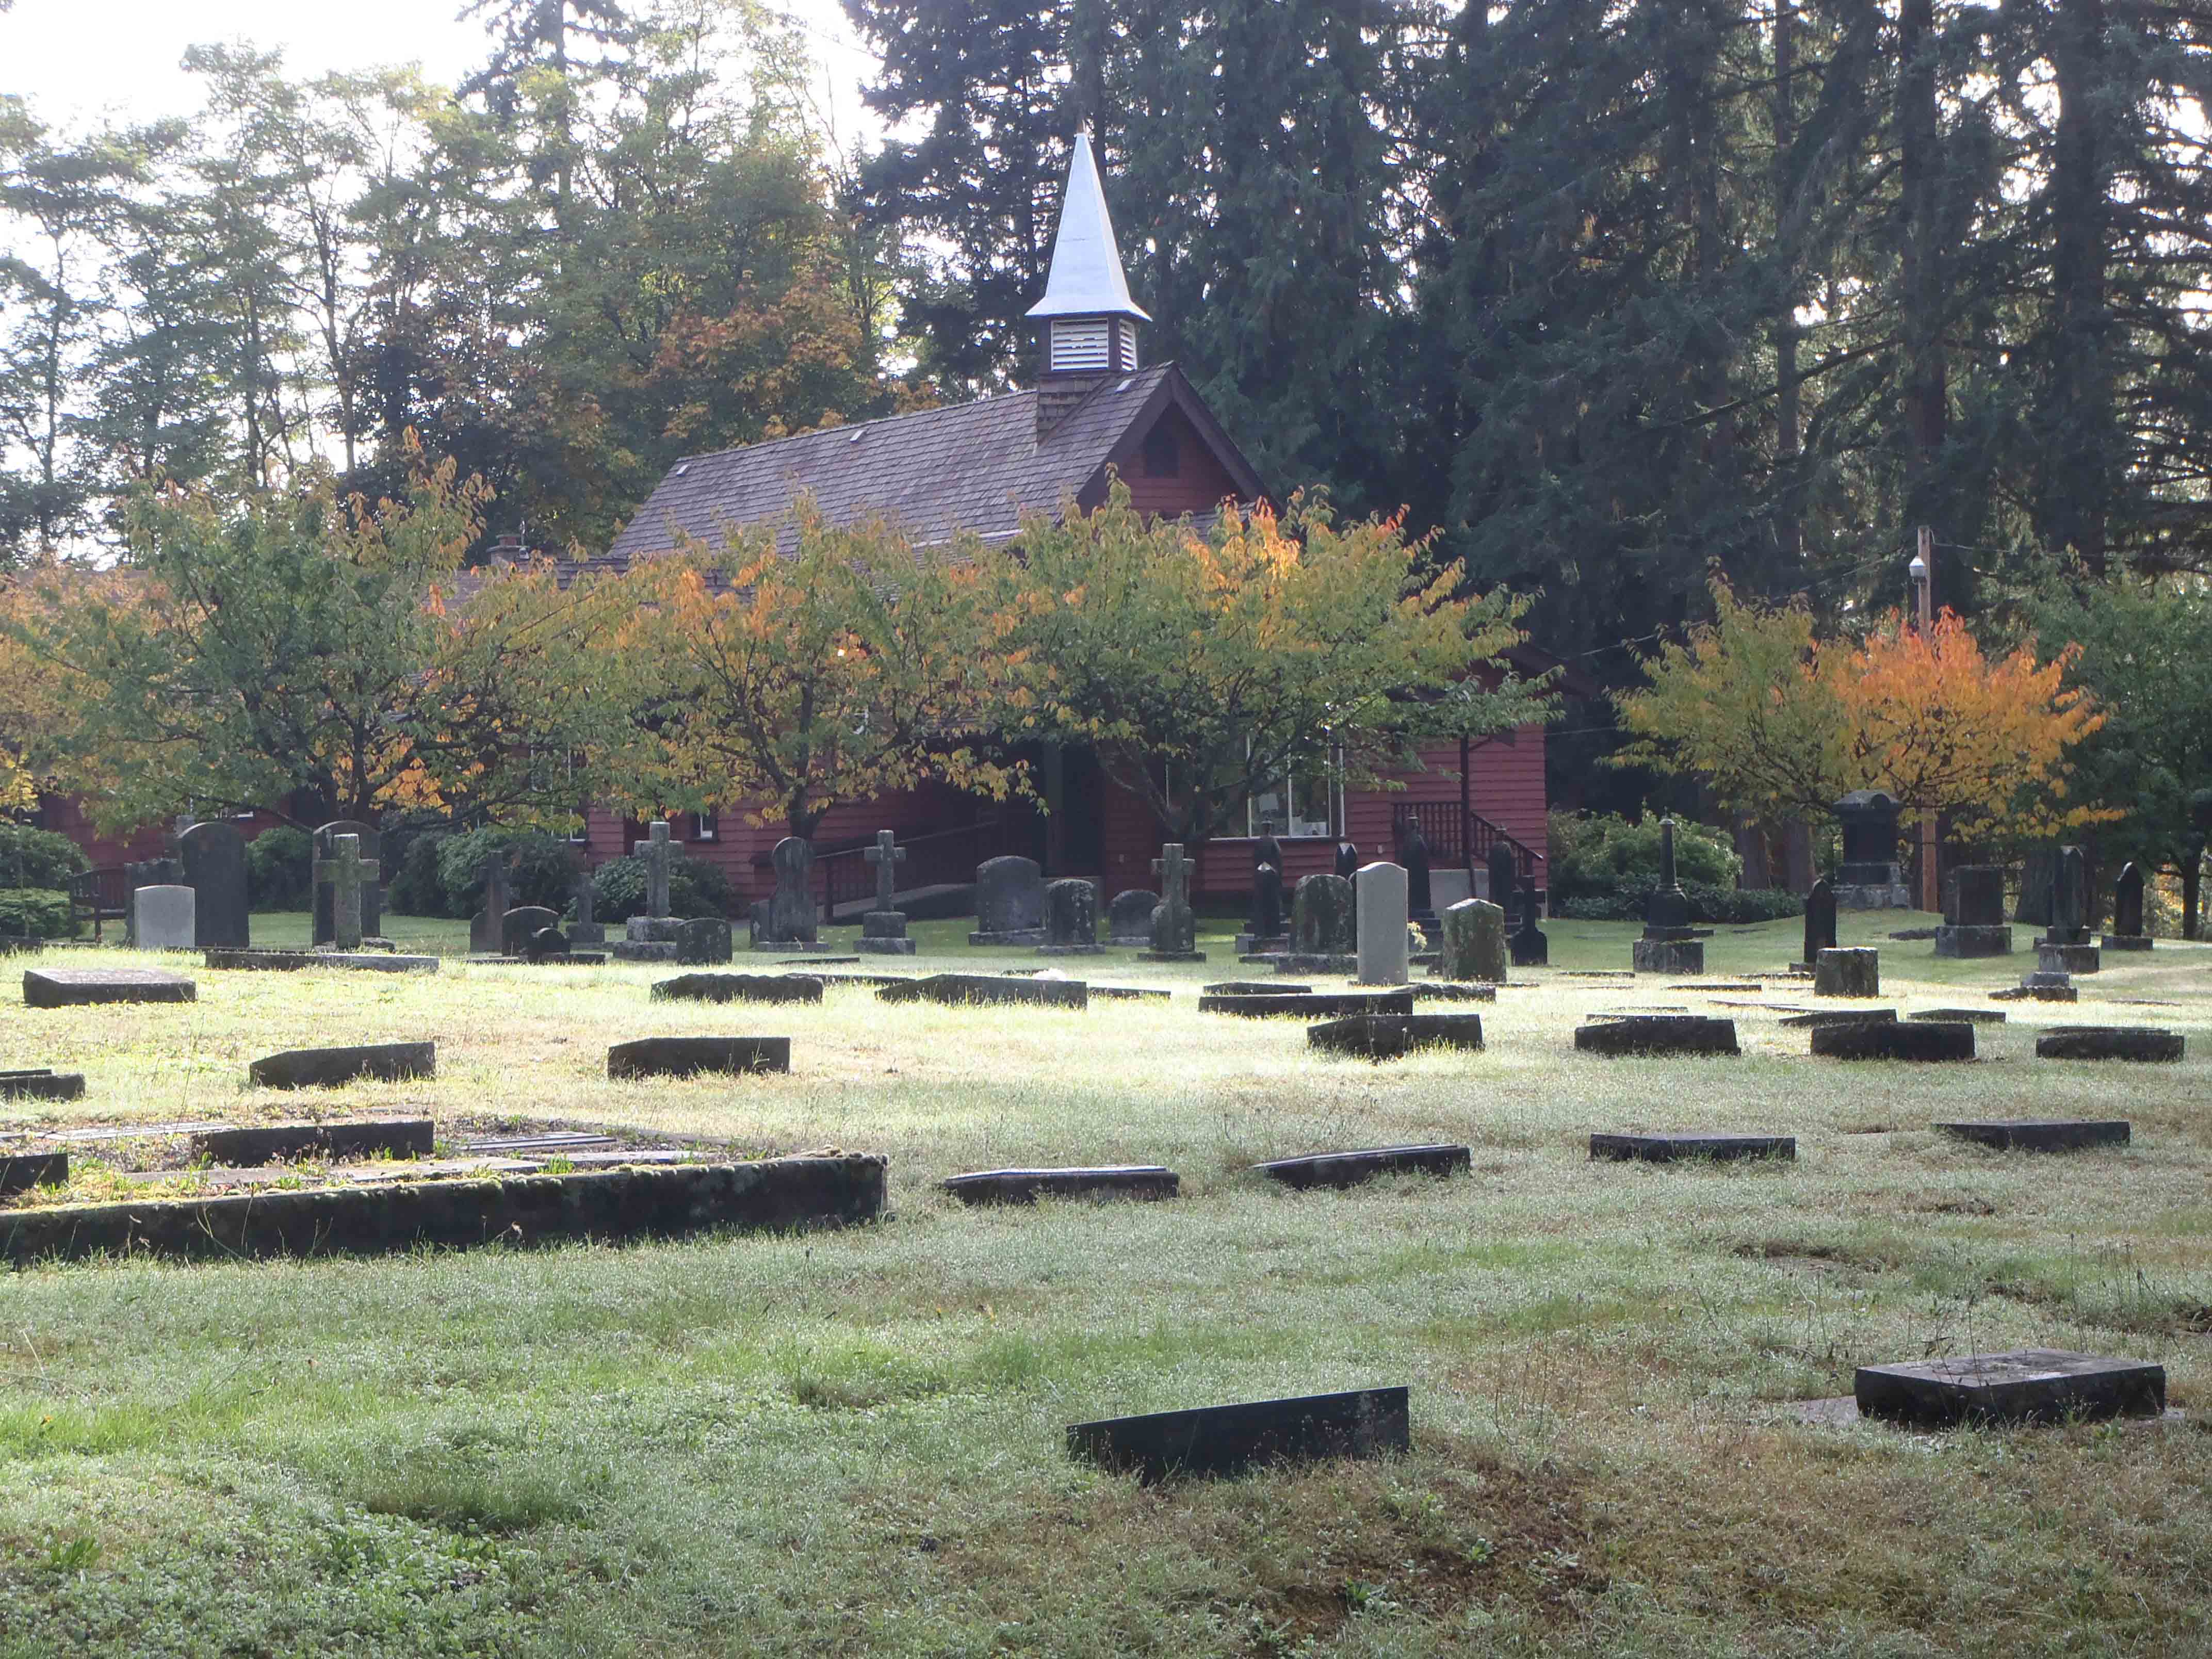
{"points": [[1413, 854], [1174, 929], [1503, 871], [1129, 917], [520, 927], [792, 917], [488, 928], [372, 908], [1819, 921], [350, 878], [1071, 918], [1009, 901], [1531, 947], [2070, 899], [2128, 932], [657, 854], [1870, 877], [1974, 914], [883, 930], [162, 918], [588, 929], [150, 872], [1669, 945], [1474, 943], [213, 857], [1321, 917], [1264, 924], [1347, 860], [1379, 898]]}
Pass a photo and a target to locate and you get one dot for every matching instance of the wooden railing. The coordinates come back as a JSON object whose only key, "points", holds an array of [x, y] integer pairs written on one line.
{"points": [[945, 858], [1459, 837]]}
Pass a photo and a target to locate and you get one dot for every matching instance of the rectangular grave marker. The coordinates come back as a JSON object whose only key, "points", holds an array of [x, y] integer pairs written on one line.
{"points": [[2028, 1385], [1228, 1440]]}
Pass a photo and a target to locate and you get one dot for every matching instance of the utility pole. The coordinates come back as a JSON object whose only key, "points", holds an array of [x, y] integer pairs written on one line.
{"points": [[1923, 581]]}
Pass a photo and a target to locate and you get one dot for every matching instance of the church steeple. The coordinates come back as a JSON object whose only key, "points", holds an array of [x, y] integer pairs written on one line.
{"points": [[1089, 320]]}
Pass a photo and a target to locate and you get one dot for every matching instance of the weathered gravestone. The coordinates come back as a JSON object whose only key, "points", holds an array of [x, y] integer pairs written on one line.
{"points": [[1129, 917], [148, 872], [1973, 913], [521, 925], [1071, 918], [2136, 1043], [1673, 1147], [701, 941], [1263, 928], [883, 930], [213, 857], [326, 1069], [2128, 932], [1009, 901], [2028, 1385], [2065, 949], [687, 1056], [1657, 1034], [370, 848], [41, 1082], [1669, 945], [1389, 1037], [1379, 904], [954, 990], [1141, 1180], [1322, 937], [1924, 1040], [260, 1144], [1852, 971], [1871, 877], [1228, 1440], [351, 880], [793, 920], [1819, 921], [737, 987], [162, 918], [658, 855], [1473, 943], [587, 929], [1326, 1005], [1504, 873], [2040, 1135], [1414, 855], [1344, 1170], [1174, 929], [1531, 947], [488, 928], [87, 988], [21, 1171]]}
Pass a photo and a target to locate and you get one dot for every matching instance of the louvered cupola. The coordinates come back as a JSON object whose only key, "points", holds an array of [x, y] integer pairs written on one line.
{"points": [[1087, 323]]}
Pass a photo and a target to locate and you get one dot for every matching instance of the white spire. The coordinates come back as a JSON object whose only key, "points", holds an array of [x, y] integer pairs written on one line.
{"points": [[1085, 279]]}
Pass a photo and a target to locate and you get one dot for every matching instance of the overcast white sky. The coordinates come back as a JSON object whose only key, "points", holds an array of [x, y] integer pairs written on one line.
{"points": [[76, 60]]}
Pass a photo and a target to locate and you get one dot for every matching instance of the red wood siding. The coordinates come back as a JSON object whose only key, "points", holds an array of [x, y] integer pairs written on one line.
{"points": [[1201, 480], [65, 815]]}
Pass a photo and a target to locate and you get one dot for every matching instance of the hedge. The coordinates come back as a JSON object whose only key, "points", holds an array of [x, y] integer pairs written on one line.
{"points": [[35, 913], [1734, 905], [39, 858]]}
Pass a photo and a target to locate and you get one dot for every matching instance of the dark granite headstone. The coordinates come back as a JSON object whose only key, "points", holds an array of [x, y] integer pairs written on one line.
{"points": [[1009, 903], [1848, 971], [1669, 945], [1228, 1440], [40, 1083], [1326, 1005], [21, 1171], [1530, 946], [1389, 1037], [1151, 1181], [687, 1056], [326, 1068], [737, 987], [1347, 863], [1973, 913], [213, 857], [791, 912], [520, 925], [2128, 932], [2029, 1385], [1504, 874], [1071, 917], [252, 1147], [1819, 921], [547, 945], [372, 902], [1129, 917], [2137, 1042], [1891, 1039], [2033, 1134], [1175, 926], [2070, 899], [1671, 1148], [703, 941], [87, 988], [1321, 917], [1658, 1034], [1350, 1168], [1414, 854], [488, 928], [954, 990], [1267, 918]]}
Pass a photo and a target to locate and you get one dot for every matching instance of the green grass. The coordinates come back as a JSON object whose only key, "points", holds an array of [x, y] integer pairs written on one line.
{"points": [[852, 1443]]}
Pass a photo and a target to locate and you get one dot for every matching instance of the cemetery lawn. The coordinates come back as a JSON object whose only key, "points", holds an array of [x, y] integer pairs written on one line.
{"points": [[852, 1443]]}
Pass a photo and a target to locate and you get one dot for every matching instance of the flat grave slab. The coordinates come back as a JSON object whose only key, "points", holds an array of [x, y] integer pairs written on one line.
{"points": [[328, 1068], [1349, 1169], [808, 961], [1596, 973], [2027, 1385], [1027, 1186], [1320, 1005], [249, 1146], [1657, 1035], [1820, 1019], [1390, 1036], [687, 1056], [737, 987], [21, 1171], [954, 990], [2028, 993], [1254, 987], [1921, 1041], [90, 988], [245, 960], [2040, 1135], [877, 980], [1976, 1016], [39, 1083], [771, 1194], [547, 959], [1452, 990], [1132, 994], [2137, 1042], [1228, 1440], [1668, 1148], [1718, 985], [1293, 962]]}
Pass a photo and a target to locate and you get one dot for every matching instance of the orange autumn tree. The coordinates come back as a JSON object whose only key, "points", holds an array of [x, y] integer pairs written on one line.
{"points": [[1780, 721], [849, 665]]}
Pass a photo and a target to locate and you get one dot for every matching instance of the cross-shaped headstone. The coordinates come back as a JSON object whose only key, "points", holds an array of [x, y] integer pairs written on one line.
{"points": [[588, 898], [346, 871], [656, 854], [885, 856], [1174, 871]]}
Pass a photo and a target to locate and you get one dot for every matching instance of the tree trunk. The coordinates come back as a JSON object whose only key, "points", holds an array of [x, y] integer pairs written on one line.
{"points": [[1926, 390], [2193, 883], [2034, 904], [1789, 522], [2079, 389]]}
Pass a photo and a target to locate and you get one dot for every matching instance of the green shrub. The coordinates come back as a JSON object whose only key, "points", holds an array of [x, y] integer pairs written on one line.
{"points": [[280, 870], [694, 889], [416, 888], [541, 869], [1733, 906], [35, 913], [39, 857], [1595, 855]]}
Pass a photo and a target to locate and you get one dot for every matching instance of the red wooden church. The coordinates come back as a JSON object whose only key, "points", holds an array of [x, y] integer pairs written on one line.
{"points": [[978, 466]]}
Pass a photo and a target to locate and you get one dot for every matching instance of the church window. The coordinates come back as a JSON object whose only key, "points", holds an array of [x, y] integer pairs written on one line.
{"points": [[1162, 454]]}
